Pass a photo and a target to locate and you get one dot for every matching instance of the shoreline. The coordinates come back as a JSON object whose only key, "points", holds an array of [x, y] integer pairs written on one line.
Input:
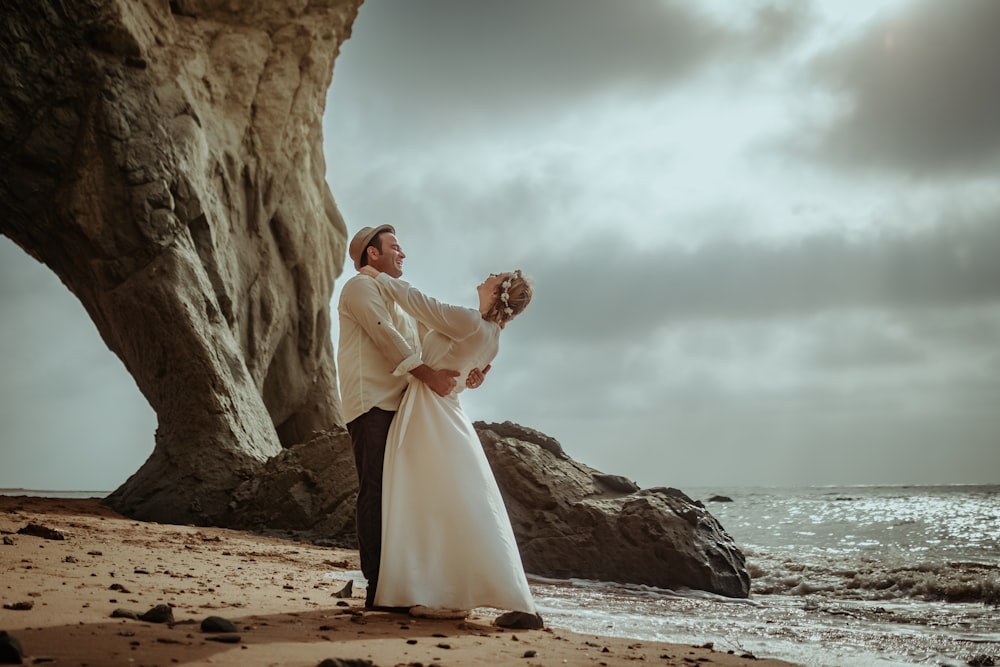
{"points": [[58, 596]]}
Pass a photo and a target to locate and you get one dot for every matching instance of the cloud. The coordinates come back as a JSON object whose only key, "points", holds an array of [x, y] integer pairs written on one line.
{"points": [[568, 47], [706, 305], [856, 395], [778, 26], [444, 63], [921, 90], [613, 288]]}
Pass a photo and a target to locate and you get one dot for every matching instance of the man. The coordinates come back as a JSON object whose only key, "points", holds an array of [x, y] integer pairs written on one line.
{"points": [[379, 346]]}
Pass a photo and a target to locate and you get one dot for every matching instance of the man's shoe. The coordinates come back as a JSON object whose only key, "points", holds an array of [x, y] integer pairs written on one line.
{"points": [[519, 620]]}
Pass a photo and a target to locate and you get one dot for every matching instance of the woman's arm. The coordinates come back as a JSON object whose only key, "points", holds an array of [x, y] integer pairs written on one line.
{"points": [[455, 322]]}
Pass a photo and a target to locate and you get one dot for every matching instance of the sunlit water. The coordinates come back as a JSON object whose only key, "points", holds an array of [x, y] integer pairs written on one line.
{"points": [[841, 577]]}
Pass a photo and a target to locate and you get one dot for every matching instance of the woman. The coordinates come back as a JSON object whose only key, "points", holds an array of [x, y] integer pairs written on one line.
{"points": [[447, 542]]}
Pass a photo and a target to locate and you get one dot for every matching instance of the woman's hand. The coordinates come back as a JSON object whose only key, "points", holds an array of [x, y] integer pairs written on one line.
{"points": [[369, 271], [476, 377]]}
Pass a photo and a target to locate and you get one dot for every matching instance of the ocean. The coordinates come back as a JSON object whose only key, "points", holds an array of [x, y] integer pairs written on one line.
{"points": [[841, 577]]}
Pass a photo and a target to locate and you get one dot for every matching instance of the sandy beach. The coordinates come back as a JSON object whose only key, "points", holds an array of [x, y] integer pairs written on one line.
{"points": [[59, 596]]}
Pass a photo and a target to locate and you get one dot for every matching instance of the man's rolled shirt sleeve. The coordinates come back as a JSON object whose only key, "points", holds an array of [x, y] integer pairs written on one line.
{"points": [[407, 365]]}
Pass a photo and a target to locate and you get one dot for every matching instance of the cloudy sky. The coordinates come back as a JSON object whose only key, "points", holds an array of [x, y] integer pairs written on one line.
{"points": [[765, 236]]}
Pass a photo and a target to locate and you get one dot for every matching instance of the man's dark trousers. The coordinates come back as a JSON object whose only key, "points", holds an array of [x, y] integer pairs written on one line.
{"points": [[368, 434]]}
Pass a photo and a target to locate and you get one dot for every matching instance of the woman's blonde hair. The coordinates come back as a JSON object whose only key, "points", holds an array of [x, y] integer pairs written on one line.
{"points": [[512, 297]]}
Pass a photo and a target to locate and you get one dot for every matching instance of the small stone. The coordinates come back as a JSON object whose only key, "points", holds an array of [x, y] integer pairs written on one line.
{"points": [[38, 530], [11, 652], [20, 606], [125, 613], [519, 620], [224, 639], [345, 592], [161, 613], [530, 654], [217, 624]]}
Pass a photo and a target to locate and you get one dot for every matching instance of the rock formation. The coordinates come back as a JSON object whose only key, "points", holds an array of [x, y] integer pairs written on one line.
{"points": [[165, 160]]}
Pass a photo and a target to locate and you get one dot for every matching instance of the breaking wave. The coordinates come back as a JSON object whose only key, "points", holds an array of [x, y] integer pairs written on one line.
{"points": [[872, 581]]}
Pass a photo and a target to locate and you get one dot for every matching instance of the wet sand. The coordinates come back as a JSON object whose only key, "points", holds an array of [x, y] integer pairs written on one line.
{"points": [[58, 597]]}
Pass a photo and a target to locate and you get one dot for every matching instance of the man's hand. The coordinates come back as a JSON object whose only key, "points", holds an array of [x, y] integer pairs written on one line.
{"points": [[442, 382], [476, 377]]}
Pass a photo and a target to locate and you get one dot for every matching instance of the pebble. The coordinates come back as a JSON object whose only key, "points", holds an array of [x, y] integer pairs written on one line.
{"points": [[161, 613], [217, 624], [11, 652]]}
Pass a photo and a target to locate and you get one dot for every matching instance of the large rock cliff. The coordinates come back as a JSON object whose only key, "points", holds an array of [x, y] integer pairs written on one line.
{"points": [[165, 160]]}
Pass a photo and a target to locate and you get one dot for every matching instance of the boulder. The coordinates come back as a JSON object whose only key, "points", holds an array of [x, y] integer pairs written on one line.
{"points": [[573, 521], [307, 490]]}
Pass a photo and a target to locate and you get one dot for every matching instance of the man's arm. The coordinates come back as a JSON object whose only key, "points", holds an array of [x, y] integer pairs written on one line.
{"points": [[441, 382]]}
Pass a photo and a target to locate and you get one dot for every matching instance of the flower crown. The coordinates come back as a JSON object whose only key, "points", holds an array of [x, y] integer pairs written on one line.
{"points": [[505, 293]]}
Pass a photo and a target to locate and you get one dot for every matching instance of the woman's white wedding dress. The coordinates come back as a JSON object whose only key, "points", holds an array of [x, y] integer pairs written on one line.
{"points": [[447, 541]]}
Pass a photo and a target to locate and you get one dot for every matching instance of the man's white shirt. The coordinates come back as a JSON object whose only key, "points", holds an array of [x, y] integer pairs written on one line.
{"points": [[379, 346]]}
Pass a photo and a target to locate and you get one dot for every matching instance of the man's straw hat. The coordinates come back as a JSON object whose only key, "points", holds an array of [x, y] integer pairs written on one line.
{"points": [[362, 239]]}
